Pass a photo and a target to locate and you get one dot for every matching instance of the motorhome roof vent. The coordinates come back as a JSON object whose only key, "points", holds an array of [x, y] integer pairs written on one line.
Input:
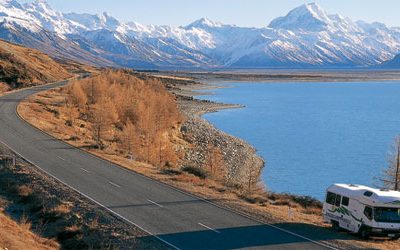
{"points": [[353, 185], [368, 193], [384, 189]]}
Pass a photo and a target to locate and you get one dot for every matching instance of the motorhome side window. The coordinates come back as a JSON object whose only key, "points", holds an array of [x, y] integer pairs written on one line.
{"points": [[345, 201], [330, 198], [338, 199], [368, 212]]}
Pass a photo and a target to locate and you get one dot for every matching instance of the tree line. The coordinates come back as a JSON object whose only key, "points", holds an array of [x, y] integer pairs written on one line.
{"points": [[135, 117]]}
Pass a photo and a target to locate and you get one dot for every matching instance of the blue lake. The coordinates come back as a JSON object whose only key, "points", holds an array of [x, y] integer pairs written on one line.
{"points": [[313, 134]]}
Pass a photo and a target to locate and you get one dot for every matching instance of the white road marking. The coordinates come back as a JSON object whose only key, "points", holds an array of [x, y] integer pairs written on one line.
{"points": [[59, 157], [84, 170], [212, 229], [115, 185], [155, 203]]}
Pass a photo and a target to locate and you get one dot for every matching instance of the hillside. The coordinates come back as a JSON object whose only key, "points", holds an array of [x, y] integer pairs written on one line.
{"points": [[22, 67]]}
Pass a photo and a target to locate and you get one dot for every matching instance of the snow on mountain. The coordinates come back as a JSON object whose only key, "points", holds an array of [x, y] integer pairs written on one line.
{"points": [[306, 36], [308, 17], [193, 38], [50, 19], [35, 25], [94, 22], [204, 23], [13, 14]]}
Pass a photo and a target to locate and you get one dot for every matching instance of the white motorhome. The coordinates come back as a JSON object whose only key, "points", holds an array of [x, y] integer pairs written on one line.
{"points": [[364, 210]]}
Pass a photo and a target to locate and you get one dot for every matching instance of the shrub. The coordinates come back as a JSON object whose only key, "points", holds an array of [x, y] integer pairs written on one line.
{"points": [[68, 123], [307, 201], [168, 171], [196, 171]]}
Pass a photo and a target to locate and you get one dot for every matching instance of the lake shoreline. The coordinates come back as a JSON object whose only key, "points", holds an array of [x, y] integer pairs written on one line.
{"points": [[277, 76], [361, 110], [239, 156]]}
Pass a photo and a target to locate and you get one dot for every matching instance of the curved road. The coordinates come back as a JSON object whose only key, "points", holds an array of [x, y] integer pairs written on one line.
{"points": [[180, 220]]}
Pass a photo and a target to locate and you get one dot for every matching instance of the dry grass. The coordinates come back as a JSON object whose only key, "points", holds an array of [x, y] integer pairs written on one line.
{"points": [[174, 77], [19, 236], [23, 67], [281, 208], [64, 208], [24, 191]]}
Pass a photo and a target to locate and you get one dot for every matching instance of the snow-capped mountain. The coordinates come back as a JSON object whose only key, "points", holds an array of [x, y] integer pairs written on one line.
{"points": [[307, 36], [92, 22], [308, 17], [391, 64]]}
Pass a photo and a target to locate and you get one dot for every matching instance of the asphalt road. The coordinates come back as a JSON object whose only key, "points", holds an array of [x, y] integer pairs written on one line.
{"points": [[179, 219]]}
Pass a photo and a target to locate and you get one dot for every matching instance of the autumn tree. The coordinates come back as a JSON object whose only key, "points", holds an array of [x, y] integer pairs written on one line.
{"points": [[77, 95], [129, 137], [215, 162], [102, 116], [134, 115]]}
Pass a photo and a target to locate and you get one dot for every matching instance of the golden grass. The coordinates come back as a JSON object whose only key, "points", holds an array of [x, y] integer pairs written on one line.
{"points": [[24, 191], [17, 236], [64, 208], [33, 111], [22, 67], [174, 77]]}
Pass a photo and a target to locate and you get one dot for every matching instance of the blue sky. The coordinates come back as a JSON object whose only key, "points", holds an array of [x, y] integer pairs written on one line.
{"points": [[253, 13]]}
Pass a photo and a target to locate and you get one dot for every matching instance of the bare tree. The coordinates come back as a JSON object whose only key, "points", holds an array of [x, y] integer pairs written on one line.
{"points": [[391, 175], [253, 174], [215, 162]]}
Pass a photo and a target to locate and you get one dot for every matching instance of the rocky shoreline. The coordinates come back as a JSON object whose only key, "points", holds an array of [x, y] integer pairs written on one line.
{"points": [[240, 159]]}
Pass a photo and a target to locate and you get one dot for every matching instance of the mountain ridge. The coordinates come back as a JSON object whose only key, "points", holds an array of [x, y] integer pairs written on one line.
{"points": [[307, 36]]}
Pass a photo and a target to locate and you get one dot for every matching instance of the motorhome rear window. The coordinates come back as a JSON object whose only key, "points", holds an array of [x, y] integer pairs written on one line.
{"points": [[330, 198], [345, 201]]}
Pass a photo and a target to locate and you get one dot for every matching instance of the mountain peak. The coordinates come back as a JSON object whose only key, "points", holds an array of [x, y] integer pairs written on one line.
{"points": [[42, 2], [41, 7], [10, 3], [204, 23], [39, 3], [109, 21], [309, 17], [314, 9]]}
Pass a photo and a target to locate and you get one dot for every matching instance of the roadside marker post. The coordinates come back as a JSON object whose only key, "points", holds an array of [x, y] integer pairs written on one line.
{"points": [[290, 213]]}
